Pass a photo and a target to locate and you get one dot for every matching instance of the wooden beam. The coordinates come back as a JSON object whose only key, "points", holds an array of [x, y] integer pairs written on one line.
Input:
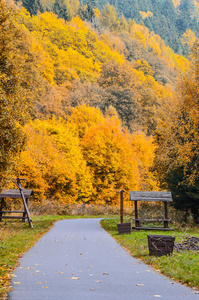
{"points": [[150, 196]]}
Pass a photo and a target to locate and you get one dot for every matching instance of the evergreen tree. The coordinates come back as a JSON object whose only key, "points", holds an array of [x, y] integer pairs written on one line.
{"points": [[91, 5], [33, 6], [168, 10], [62, 9]]}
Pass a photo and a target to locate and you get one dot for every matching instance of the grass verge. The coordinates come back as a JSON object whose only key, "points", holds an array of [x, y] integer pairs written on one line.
{"points": [[181, 266]]}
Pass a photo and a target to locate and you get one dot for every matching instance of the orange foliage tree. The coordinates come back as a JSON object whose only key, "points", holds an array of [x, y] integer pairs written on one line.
{"points": [[53, 163], [112, 160]]}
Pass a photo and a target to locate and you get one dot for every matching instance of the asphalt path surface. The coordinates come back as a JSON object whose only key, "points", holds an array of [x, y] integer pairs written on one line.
{"points": [[78, 260]]}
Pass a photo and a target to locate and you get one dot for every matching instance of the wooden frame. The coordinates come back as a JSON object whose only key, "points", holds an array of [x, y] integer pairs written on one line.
{"points": [[151, 196]]}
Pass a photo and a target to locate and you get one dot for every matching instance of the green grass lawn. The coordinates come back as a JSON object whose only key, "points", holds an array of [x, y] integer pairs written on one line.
{"points": [[181, 266], [16, 238]]}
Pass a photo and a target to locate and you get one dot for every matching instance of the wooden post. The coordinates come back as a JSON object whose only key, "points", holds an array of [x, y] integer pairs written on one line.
{"points": [[121, 206], [137, 223], [166, 215], [2, 200]]}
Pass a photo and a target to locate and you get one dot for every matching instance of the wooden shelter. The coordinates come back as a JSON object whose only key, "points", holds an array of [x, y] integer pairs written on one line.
{"points": [[13, 194], [165, 197]]}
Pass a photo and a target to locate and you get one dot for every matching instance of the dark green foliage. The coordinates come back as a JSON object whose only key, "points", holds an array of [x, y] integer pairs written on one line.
{"points": [[167, 21], [186, 197], [62, 9], [87, 12], [33, 6]]}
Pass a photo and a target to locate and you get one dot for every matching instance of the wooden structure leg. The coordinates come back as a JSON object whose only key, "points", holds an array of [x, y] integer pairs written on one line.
{"points": [[2, 201], [24, 213], [137, 222], [25, 204], [166, 223], [121, 206]]}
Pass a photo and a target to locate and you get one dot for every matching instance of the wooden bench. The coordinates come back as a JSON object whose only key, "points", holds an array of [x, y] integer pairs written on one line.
{"points": [[13, 194], [165, 197]]}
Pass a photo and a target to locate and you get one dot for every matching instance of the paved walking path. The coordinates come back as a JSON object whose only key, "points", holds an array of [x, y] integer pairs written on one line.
{"points": [[78, 260]]}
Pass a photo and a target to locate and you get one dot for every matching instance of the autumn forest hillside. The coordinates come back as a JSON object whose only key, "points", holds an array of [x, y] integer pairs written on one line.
{"points": [[89, 108]]}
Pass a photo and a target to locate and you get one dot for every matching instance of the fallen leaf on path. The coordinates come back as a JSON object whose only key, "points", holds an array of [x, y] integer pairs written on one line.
{"points": [[139, 284], [17, 282], [92, 289], [45, 287], [75, 278], [60, 272], [38, 282], [147, 271], [105, 274], [134, 263], [158, 296], [197, 292], [98, 281]]}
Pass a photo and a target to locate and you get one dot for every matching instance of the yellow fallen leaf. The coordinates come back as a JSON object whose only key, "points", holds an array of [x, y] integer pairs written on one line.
{"points": [[75, 278], [38, 282], [45, 287], [17, 282], [60, 272]]}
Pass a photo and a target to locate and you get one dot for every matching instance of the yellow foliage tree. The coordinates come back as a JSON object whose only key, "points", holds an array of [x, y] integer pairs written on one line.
{"points": [[144, 148], [112, 160], [83, 118], [53, 163]]}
